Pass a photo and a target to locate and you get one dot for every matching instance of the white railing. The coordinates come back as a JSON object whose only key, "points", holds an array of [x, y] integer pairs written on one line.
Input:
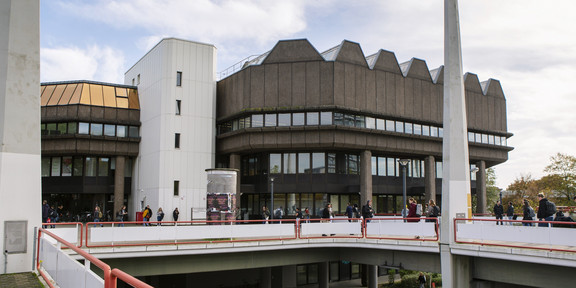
{"points": [[554, 236]]}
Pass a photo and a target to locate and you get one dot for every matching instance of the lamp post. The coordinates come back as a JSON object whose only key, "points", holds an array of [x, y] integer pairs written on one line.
{"points": [[473, 172], [404, 163], [271, 197], [500, 196]]}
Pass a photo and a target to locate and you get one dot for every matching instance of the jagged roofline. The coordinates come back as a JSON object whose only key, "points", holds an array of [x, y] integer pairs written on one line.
{"points": [[298, 50]]}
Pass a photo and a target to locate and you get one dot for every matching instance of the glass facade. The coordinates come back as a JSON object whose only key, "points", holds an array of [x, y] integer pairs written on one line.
{"points": [[95, 129], [350, 120]]}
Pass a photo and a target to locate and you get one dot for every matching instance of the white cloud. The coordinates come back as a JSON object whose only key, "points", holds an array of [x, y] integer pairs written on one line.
{"points": [[95, 63]]}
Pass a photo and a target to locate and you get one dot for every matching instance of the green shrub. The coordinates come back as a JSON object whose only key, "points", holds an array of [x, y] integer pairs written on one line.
{"points": [[391, 273]]}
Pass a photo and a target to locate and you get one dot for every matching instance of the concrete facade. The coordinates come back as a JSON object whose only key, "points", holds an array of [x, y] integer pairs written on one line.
{"points": [[175, 70], [295, 78], [20, 182]]}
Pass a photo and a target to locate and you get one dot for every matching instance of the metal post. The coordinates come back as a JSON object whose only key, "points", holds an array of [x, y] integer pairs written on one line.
{"points": [[271, 198], [403, 163], [500, 196]]}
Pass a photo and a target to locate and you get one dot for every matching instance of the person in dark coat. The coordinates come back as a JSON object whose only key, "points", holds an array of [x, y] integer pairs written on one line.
{"points": [[510, 212], [527, 213], [367, 211], [499, 212], [543, 213], [412, 206], [350, 212]]}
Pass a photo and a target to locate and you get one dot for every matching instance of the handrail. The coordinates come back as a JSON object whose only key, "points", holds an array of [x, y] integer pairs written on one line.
{"points": [[109, 282], [69, 224], [550, 224]]}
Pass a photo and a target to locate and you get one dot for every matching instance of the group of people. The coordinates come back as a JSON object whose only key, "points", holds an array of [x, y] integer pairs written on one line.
{"points": [[546, 211], [51, 214], [147, 215], [352, 212]]}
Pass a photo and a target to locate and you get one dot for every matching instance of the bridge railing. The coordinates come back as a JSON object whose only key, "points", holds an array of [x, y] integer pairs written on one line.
{"points": [[69, 231], [542, 235], [60, 270], [424, 229], [107, 234]]}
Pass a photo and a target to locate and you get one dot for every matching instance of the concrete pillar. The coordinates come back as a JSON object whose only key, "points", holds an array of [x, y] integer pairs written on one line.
{"points": [[289, 276], [119, 185], [20, 162], [372, 276], [323, 275], [481, 187], [365, 177], [266, 277], [430, 178], [456, 197], [236, 163]]}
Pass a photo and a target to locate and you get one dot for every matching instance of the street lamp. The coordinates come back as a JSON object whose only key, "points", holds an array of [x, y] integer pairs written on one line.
{"points": [[271, 197], [404, 163]]}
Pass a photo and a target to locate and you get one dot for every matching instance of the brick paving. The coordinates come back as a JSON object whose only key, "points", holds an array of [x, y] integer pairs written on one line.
{"points": [[20, 280]]}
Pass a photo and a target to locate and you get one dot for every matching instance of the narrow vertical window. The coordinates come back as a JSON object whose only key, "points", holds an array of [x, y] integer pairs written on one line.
{"points": [[176, 187], [178, 106], [138, 81], [178, 78], [177, 140]]}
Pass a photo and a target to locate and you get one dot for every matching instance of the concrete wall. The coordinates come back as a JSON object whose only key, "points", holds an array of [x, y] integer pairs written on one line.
{"points": [[20, 182], [160, 163]]}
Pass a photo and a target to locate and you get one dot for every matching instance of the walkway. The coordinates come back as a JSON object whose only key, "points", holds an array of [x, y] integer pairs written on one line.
{"points": [[20, 280]]}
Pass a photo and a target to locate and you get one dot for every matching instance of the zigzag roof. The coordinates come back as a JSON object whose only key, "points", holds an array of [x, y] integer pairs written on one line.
{"points": [[298, 50]]}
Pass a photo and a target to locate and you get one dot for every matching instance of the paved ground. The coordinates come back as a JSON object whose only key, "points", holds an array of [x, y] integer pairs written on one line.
{"points": [[20, 280]]}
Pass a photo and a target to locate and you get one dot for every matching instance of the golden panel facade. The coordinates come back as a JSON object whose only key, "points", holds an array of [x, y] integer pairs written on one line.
{"points": [[46, 95], [96, 95], [89, 94], [67, 94], [109, 96]]}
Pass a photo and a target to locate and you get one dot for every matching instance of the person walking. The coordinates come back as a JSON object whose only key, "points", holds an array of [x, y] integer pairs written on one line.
{"points": [[412, 206], [350, 212], [499, 212], [97, 215], [367, 211], [175, 214], [45, 212], [510, 212], [307, 215], [543, 212], [122, 215], [528, 213], [265, 214], [433, 211], [159, 216], [146, 215], [422, 280]]}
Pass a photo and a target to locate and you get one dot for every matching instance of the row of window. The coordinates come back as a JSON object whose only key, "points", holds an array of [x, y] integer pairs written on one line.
{"points": [[335, 163], [351, 120], [96, 129], [66, 166]]}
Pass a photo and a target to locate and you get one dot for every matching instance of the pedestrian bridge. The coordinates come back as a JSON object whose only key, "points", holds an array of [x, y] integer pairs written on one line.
{"points": [[203, 246]]}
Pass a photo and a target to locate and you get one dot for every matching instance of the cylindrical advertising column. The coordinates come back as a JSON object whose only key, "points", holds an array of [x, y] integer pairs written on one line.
{"points": [[221, 194]]}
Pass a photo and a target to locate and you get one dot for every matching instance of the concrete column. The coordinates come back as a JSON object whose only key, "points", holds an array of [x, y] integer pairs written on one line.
{"points": [[481, 187], [289, 276], [236, 163], [20, 162], [365, 177], [266, 277], [456, 197], [430, 178], [323, 275], [119, 184], [372, 276]]}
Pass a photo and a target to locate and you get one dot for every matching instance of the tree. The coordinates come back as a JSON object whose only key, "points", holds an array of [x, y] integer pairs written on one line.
{"points": [[561, 178], [491, 191]]}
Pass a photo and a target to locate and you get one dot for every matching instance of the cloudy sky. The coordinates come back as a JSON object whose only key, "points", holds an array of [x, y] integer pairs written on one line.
{"points": [[528, 45]]}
